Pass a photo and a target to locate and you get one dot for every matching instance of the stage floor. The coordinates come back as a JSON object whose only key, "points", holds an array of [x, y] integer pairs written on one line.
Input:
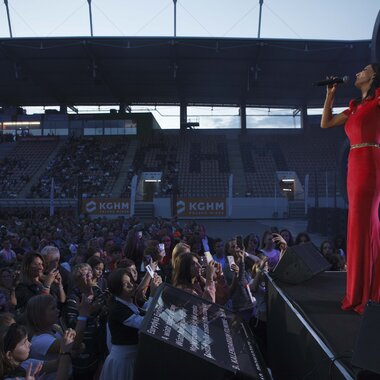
{"points": [[309, 336]]}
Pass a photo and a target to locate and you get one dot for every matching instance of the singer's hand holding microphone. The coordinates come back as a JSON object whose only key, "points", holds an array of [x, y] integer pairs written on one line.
{"points": [[331, 81]]}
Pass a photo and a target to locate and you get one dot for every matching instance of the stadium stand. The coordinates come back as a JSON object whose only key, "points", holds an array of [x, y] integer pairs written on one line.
{"points": [[91, 163], [21, 163], [192, 164]]}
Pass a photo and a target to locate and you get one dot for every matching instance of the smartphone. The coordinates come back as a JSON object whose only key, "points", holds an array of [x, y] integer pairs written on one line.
{"points": [[231, 260], [208, 257], [161, 247], [150, 270], [203, 261]]}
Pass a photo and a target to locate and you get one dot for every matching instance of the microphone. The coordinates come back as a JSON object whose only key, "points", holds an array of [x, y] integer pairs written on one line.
{"points": [[327, 82]]}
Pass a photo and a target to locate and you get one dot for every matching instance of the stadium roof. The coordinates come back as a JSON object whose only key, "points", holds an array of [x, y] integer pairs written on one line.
{"points": [[166, 70]]}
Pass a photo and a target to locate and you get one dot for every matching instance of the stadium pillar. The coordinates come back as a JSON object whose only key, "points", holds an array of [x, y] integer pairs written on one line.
{"points": [[63, 109], [183, 115], [243, 117], [304, 119]]}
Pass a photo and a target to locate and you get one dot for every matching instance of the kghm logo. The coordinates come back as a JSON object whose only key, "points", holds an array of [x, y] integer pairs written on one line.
{"points": [[181, 207], [91, 206], [114, 206], [206, 206], [200, 208]]}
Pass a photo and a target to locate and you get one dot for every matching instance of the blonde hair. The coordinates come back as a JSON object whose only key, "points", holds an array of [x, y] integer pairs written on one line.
{"points": [[76, 270], [178, 250]]}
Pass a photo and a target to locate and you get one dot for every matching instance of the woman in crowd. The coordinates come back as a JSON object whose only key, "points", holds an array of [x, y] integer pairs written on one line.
{"points": [[362, 126], [97, 266], [134, 246], [269, 251], [258, 287], [167, 269], [252, 244], [186, 275], [14, 356], [326, 249], [302, 238], [33, 282], [219, 255], [42, 316], [240, 297], [288, 237], [86, 364], [334, 258], [124, 320], [131, 268]]}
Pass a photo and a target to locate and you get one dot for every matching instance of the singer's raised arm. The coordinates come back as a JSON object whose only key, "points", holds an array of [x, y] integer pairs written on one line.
{"points": [[329, 120]]}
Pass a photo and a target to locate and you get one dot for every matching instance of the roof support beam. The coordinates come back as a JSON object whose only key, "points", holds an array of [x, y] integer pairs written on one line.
{"points": [[90, 11], [9, 19]]}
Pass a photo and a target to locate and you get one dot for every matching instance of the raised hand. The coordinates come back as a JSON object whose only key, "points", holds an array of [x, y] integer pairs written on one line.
{"points": [[235, 269], [155, 283], [50, 277], [67, 340], [31, 373], [280, 241], [58, 279], [331, 88]]}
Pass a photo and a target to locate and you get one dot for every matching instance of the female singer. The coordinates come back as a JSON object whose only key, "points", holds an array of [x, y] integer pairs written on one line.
{"points": [[362, 126]]}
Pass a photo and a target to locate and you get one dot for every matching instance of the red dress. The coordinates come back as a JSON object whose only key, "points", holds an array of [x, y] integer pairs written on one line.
{"points": [[363, 187]]}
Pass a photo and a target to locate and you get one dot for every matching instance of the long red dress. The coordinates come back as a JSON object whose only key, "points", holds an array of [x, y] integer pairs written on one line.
{"points": [[363, 187]]}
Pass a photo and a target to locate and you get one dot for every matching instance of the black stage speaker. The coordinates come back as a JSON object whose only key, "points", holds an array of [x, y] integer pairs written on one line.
{"points": [[367, 349], [187, 337], [300, 263]]}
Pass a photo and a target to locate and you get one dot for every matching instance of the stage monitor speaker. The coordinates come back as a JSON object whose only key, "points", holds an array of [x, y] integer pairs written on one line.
{"points": [[186, 337], [300, 263], [367, 348]]}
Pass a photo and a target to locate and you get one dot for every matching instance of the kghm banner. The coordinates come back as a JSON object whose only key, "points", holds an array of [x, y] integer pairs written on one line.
{"points": [[201, 207], [106, 206]]}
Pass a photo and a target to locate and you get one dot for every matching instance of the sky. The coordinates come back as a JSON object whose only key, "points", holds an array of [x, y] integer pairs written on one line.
{"points": [[298, 19], [317, 19]]}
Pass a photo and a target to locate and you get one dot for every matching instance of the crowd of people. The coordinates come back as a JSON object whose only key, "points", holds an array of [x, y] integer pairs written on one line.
{"points": [[10, 183], [73, 294], [88, 165]]}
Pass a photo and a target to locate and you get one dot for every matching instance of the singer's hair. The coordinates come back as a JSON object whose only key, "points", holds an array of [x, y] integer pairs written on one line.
{"points": [[374, 85]]}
